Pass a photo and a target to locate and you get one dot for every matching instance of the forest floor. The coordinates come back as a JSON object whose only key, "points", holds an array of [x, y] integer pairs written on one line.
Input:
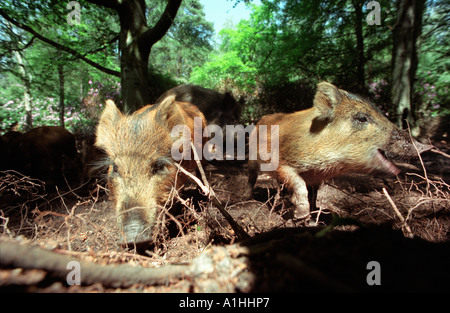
{"points": [[403, 223]]}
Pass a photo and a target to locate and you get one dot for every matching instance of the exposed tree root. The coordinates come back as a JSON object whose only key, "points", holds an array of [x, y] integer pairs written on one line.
{"points": [[17, 255]]}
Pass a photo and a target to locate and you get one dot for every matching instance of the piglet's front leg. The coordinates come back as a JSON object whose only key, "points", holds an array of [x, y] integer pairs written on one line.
{"points": [[297, 186]]}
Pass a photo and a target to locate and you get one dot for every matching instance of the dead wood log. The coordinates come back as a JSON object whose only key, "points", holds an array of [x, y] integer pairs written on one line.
{"points": [[17, 255], [282, 260]]}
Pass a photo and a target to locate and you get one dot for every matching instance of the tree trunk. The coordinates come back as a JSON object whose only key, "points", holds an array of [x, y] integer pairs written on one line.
{"points": [[357, 4], [133, 56], [135, 43], [61, 94], [27, 90], [405, 60]]}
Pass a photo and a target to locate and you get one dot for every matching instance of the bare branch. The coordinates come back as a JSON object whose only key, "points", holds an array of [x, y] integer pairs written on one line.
{"points": [[155, 33], [57, 45]]}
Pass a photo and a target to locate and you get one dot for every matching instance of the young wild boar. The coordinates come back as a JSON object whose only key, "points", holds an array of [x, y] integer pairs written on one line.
{"points": [[141, 168], [341, 133], [47, 152]]}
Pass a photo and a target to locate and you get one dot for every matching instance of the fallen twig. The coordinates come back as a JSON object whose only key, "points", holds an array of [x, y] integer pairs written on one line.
{"points": [[240, 232], [440, 152], [405, 228], [207, 190], [200, 167], [194, 178]]}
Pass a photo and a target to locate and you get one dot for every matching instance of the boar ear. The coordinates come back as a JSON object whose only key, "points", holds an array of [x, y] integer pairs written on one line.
{"points": [[167, 109], [228, 102], [111, 114], [107, 123], [326, 99], [175, 113]]}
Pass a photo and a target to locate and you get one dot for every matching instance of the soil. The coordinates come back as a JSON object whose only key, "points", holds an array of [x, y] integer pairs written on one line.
{"points": [[401, 222]]}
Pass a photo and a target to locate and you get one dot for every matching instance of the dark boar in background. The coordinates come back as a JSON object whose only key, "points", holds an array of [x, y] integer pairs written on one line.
{"points": [[141, 168], [48, 153], [341, 133], [219, 109]]}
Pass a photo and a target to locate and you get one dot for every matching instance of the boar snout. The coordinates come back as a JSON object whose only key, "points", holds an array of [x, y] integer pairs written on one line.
{"points": [[421, 147], [135, 230], [402, 146], [399, 147]]}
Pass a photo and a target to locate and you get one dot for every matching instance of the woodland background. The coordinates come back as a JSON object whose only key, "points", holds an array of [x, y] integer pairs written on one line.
{"points": [[57, 70]]}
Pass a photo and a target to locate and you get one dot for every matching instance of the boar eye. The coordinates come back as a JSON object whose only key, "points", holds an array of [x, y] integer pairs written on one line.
{"points": [[114, 169], [361, 118], [158, 166]]}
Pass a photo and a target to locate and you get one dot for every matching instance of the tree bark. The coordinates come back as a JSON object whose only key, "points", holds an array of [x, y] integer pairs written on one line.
{"points": [[133, 56], [357, 4], [25, 76], [135, 42], [405, 60], [61, 94]]}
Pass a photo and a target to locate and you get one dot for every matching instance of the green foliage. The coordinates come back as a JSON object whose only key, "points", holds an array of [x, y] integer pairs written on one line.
{"points": [[290, 45], [433, 78], [432, 92], [273, 59], [240, 59], [285, 41], [80, 116], [42, 62], [223, 70], [45, 111], [186, 45]]}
